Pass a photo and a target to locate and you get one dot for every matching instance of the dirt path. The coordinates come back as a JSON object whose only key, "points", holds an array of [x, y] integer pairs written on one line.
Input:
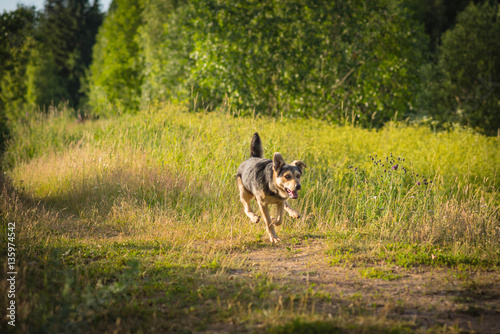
{"points": [[426, 297]]}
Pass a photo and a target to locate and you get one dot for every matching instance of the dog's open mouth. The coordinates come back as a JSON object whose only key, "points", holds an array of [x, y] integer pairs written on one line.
{"points": [[292, 194]]}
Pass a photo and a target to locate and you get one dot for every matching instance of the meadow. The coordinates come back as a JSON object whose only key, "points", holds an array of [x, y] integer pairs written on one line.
{"points": [[134, 224]]}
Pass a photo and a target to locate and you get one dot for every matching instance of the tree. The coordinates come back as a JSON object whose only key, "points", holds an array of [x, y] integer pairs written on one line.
{"points": [[115, 76], [44, 86], [437, 15], [466, 84], [67, 33], [16, 37]]}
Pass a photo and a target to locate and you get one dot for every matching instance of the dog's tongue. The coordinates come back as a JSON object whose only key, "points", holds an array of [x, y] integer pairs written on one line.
{"points": [[292, 194]]}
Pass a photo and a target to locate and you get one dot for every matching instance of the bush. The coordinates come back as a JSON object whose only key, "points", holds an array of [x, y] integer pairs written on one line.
{"points": [[308, 58]]}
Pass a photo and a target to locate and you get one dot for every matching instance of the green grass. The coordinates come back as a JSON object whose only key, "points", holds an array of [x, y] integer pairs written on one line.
{"points": [[135, 222]]}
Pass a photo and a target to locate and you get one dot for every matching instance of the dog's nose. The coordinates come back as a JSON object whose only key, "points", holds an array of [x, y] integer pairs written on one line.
{"points": [[298, 187]]}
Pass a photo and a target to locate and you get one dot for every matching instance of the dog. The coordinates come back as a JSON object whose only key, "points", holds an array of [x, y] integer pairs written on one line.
{"points": [[270, 182]]}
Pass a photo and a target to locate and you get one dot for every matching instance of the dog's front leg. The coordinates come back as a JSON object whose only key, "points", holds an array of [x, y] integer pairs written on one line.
{"points": [[269, 224], [291, 211]]}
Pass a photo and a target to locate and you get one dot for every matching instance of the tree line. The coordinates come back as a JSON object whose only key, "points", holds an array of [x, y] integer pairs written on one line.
{"points": [[45, 56], [368, 61]]}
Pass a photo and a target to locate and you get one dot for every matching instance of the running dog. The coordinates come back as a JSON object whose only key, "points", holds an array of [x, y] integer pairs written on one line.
{"points": [[270, 182]]}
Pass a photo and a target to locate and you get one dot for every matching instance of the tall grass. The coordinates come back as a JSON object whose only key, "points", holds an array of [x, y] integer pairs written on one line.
{"points": [[113, 216], [167, 170]]}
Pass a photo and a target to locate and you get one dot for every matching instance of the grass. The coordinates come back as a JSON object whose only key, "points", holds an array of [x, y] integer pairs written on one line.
{"points": [[134, 224]]}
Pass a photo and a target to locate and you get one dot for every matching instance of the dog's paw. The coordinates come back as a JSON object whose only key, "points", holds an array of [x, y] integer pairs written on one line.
{"points": [[294, 214], [274, 240], [255, 219]]}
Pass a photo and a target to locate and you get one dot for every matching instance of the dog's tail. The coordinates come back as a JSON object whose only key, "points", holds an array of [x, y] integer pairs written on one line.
{"points": [[256, 147]]}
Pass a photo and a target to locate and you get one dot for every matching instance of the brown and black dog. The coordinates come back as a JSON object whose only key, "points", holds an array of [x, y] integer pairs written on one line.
{"points": [[270, 182]]}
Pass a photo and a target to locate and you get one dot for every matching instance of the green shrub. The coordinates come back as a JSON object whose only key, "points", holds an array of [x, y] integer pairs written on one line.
{"points": [[308, 58]]}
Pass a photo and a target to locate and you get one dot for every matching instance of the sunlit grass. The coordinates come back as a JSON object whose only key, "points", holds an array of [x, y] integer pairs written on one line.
{"points": [[151, 201], [167, 167]]}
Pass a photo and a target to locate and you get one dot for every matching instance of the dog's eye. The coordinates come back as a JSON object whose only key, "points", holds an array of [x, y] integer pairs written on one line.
{"points": [[288, 177], [298, 176]]}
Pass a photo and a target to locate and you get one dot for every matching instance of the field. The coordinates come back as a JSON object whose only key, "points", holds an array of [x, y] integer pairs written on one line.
{"points": [[134, 224]]}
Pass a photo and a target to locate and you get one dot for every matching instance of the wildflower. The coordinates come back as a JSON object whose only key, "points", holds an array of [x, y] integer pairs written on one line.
{"points": [[395, 167], [418, 183]]}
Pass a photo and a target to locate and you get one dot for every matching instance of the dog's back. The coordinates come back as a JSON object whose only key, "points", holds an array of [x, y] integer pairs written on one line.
{"points": [[252, 172]]}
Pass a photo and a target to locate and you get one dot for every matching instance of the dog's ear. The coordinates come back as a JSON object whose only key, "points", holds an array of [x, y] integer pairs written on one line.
{"points": [[278, 161], [299, 164]]}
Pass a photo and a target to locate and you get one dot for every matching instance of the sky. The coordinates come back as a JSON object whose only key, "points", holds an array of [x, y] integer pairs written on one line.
{"points": [[10, 5]]}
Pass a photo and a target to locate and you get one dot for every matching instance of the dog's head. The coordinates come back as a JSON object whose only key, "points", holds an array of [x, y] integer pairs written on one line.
{"points": [[287, 177]]}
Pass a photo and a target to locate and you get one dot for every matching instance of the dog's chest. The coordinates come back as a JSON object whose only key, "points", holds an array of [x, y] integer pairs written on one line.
{"points": [[272, 199]]}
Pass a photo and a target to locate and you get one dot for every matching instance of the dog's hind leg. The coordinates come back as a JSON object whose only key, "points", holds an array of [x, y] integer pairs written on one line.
{"points": [[269, 223], [246, 197], [291, 211], [279, 214]]}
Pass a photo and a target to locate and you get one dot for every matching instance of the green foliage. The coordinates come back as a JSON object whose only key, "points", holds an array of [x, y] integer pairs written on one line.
{"points": [[44, 57], [465, 84], [116, 72], [307, 58], [16, 31], [67, 32], [44, 86], [289, 58], [165, 50]]}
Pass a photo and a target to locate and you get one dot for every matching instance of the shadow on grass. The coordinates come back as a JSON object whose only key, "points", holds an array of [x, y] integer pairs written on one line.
{"points": [[109, 205]]}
